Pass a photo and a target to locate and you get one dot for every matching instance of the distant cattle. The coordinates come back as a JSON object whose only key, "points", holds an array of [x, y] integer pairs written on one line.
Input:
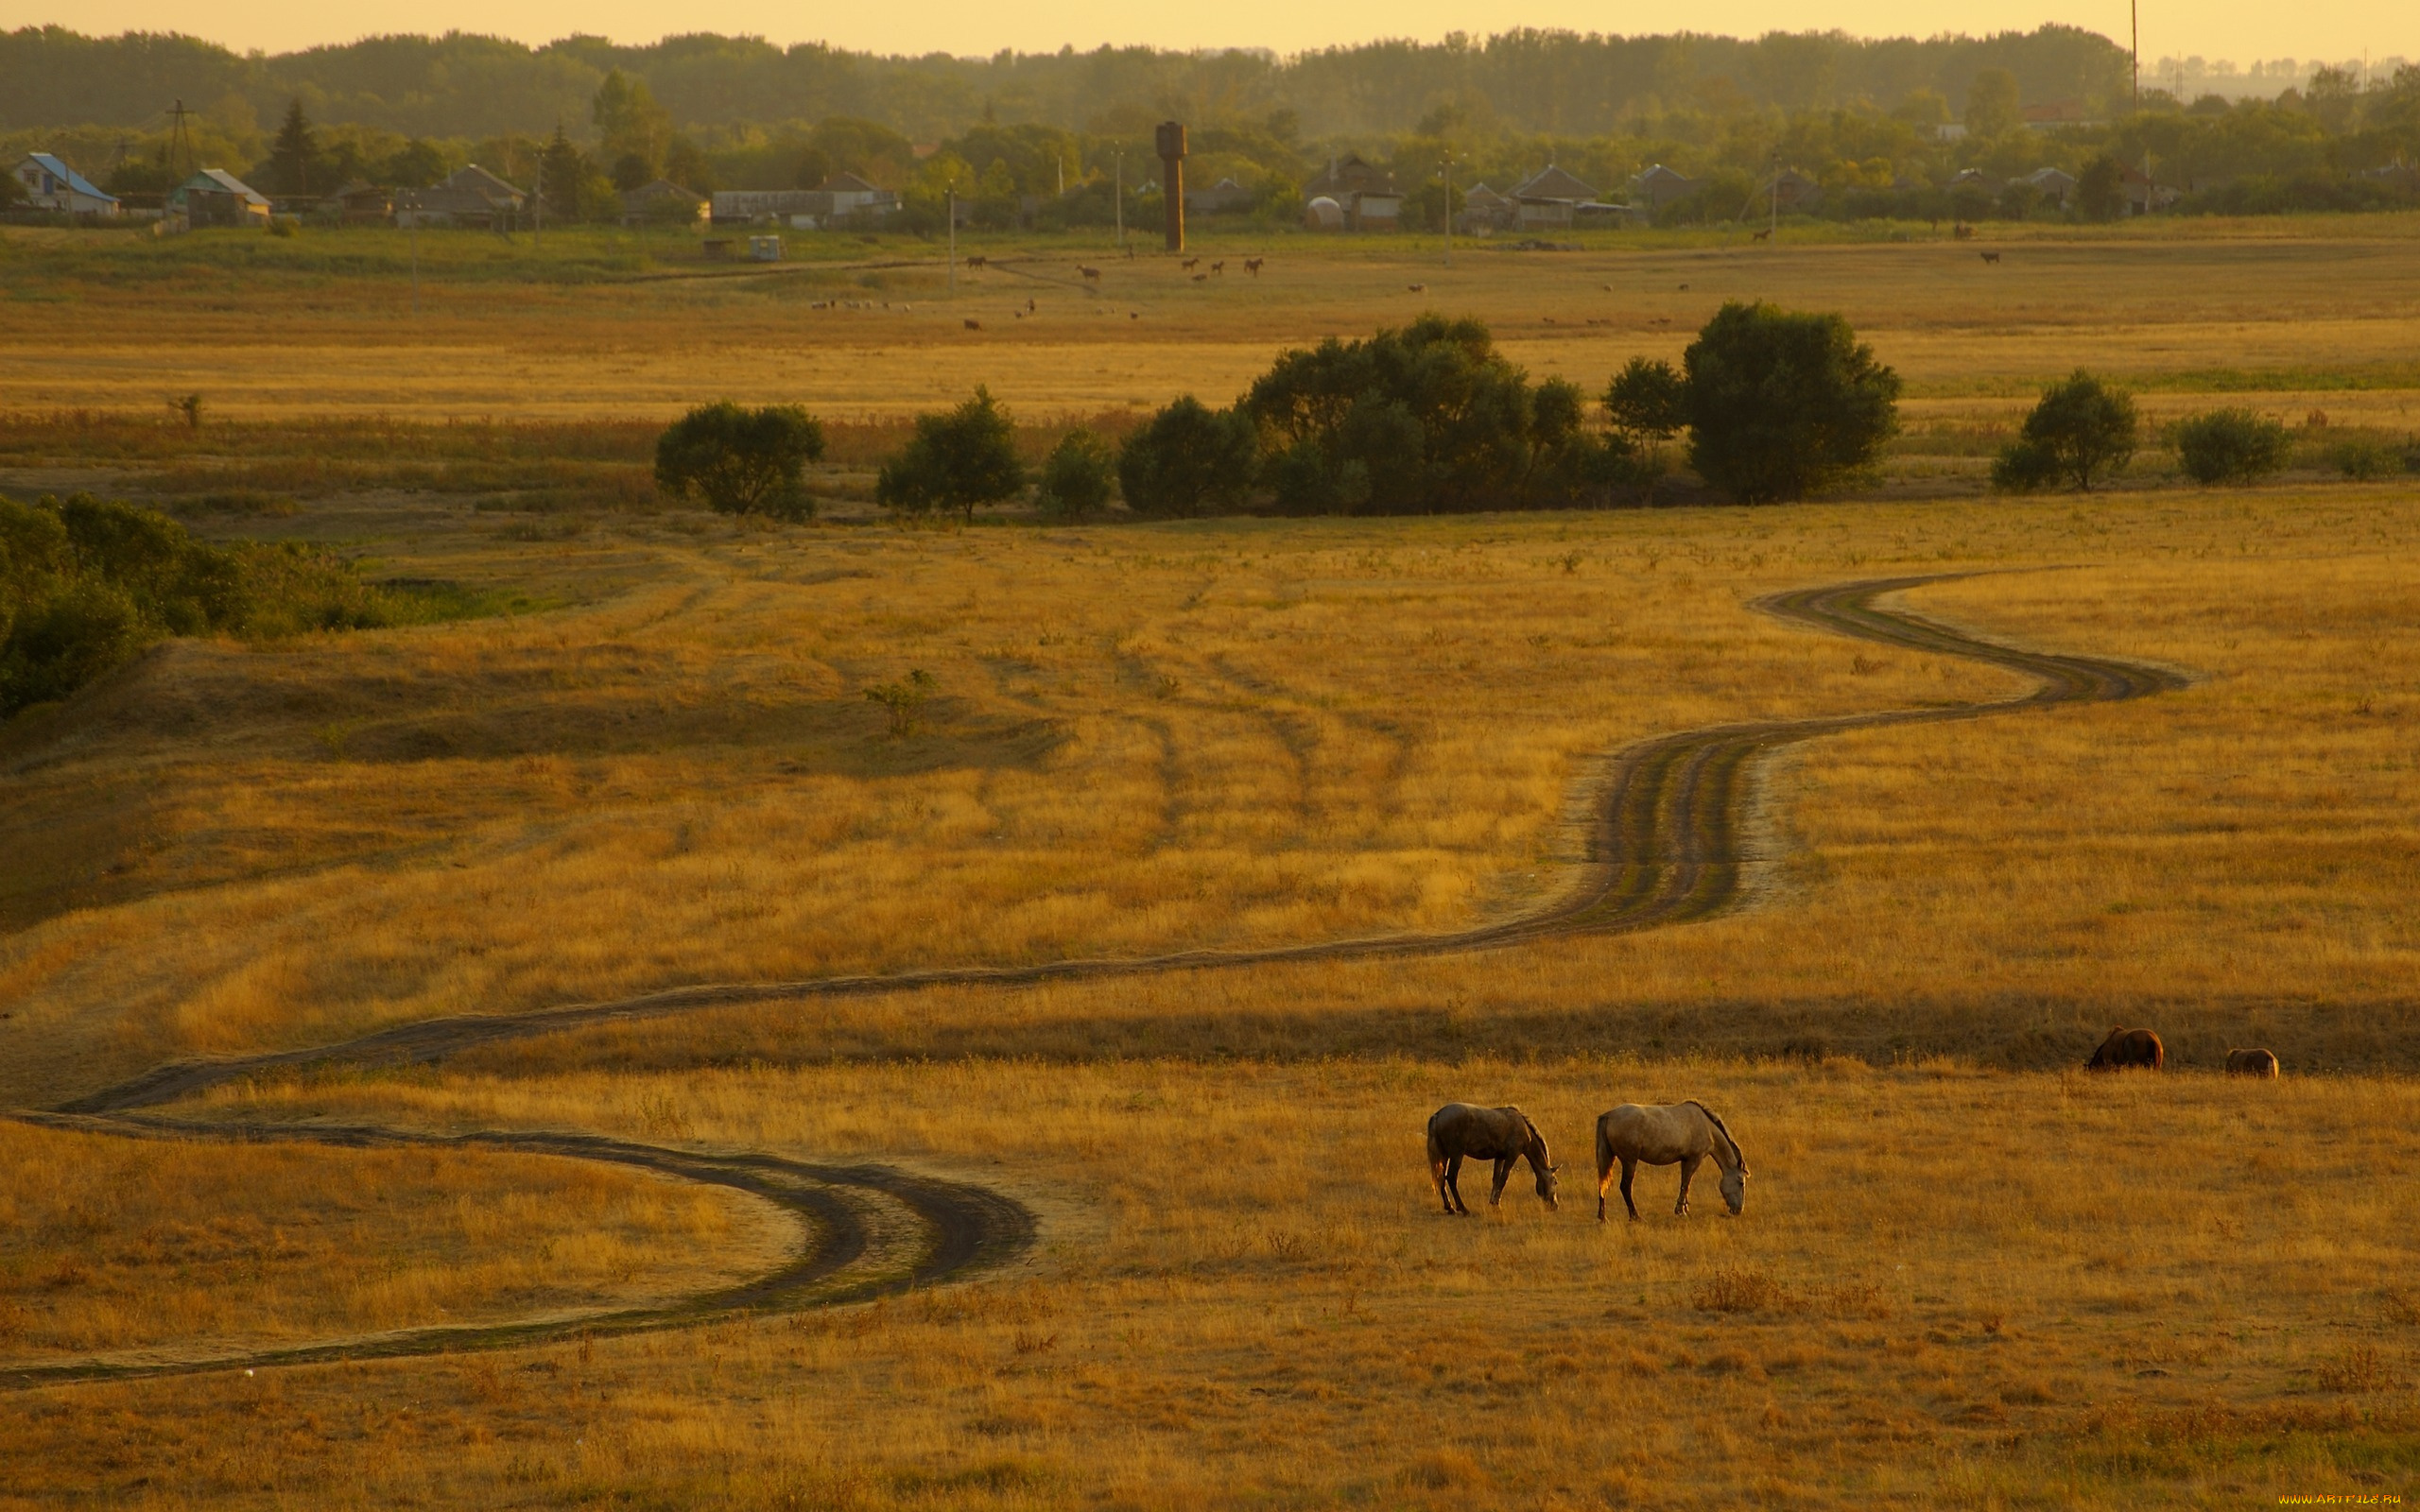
{"points": [[1992, 258], [1417, 288], [1092, 275], [1202, 278], [976, 262], [974, 325], [2252, 1063], [2129, 1047]]}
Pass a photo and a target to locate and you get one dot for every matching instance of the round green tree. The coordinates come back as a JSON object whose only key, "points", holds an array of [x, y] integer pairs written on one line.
{"points": [[2081, 431], [2231, 446], [1782, 404], [957, 460], [1075, 478], [741, 461], [1187, 459]]}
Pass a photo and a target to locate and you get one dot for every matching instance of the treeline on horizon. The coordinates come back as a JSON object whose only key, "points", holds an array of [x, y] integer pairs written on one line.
{"points": [[1548, 82], [1019, 130]]}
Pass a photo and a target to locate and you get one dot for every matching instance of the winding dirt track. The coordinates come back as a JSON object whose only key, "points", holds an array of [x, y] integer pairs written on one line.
{"points": [[1665, 846]]}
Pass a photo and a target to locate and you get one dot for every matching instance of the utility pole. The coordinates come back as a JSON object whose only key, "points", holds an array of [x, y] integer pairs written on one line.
{"points": [[1171, 145], [2135, 27], [415, 268], [1118, 200], [179, 143], [949, 202], [1772, 223], [1449, 210]]}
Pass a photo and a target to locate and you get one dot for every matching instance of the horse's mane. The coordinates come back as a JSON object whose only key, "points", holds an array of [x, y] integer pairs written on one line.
{"points": [[1715, 1119]]}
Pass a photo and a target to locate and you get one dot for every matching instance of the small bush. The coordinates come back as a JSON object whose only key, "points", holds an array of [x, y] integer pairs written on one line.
{"points": [[2366, 460], [86, 584], [2231, 446], [1737, 1289], [2082, 431], [1189, 458], [1075, 478], [959, 460], [741, 461], [2358, 1368]]}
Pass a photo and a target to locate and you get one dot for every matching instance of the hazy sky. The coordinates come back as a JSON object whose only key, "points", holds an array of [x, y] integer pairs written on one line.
{"points": [[2236, 29]]}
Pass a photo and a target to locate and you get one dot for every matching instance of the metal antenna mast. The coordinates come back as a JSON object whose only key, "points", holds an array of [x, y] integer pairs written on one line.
{"points": [[179, 143]]}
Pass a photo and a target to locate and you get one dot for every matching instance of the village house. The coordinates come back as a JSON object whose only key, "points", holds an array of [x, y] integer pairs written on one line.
{"points": [[360, 203], [1484, 210], [1549, 198], [1223, 197], [663, 203], [1658, 186], [51, 184], [2056, 187], [1793, 191], [840, 198], [213, 196], [469, 198], [1361, 197]]}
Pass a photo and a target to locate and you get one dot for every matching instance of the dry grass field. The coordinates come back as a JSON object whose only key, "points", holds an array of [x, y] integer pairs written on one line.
{"points": [[1968, 1275], [135, 1251]]}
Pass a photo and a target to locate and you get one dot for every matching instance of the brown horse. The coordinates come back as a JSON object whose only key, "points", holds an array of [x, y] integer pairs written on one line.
{"points": [[2252, 1063], [2129, 1047], [1680, 1133], [1503, 1135]]}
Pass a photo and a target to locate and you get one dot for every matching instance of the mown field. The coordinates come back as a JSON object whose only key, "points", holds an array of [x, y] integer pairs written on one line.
{"points": [[1967, 1275]]}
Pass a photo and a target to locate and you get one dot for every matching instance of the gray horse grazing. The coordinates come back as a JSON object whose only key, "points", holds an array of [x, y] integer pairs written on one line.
{"points": [[1503, 1135], [1685, 1133]]}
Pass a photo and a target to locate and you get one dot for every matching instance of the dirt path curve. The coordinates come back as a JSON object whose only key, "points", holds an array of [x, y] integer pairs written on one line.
{"points": [[1665, 846]]}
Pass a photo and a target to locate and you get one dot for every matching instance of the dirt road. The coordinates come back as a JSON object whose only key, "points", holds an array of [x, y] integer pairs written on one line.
{"points": [[1665, 847]]}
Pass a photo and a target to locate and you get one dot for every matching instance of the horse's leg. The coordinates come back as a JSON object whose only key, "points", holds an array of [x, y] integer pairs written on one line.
{"points": [[1630, 1169], [1604, 1181], [1454, 1183], [1437, 1176], [1688, 1169], [1504, 1164]]}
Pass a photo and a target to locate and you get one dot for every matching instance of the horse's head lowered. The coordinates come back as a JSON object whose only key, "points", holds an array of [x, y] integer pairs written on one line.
{"points": [[1735, 1170], [1543, 1163]]}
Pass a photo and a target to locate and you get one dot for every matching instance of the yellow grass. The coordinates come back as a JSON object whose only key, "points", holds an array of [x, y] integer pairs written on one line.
{"points": [[2324, 307], [142, 1250], [2117, 1293], [1949, 1288], [1252, 734]]}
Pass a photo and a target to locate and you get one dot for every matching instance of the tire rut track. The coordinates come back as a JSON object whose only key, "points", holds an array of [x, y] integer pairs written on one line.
{"points": [[1663, 847]]}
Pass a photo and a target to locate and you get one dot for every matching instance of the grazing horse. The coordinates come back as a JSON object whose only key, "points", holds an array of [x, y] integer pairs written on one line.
{"points": [[2129, 1047], [1503, 1135], [2252, 1063], [1680, 1133]]}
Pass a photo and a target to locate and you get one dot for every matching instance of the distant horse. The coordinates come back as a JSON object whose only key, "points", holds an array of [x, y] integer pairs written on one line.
{"points": [[1190, 263], [2129, 1047], [1764, 235], [1679, 1133], [977, 262], [974, 325], [1992, 258], [1503, 1135], [1092, 275], [2252, 1063], [1251, 266]]}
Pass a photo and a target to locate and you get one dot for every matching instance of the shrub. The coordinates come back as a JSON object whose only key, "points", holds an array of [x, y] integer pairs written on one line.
{"points": [[2231, 446], [2366, 460], [741, 461], [86, 584], [1782, 404], [1187, 458], [2079, 431], [1414, 420], [959, 460], [1075, 478]]}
